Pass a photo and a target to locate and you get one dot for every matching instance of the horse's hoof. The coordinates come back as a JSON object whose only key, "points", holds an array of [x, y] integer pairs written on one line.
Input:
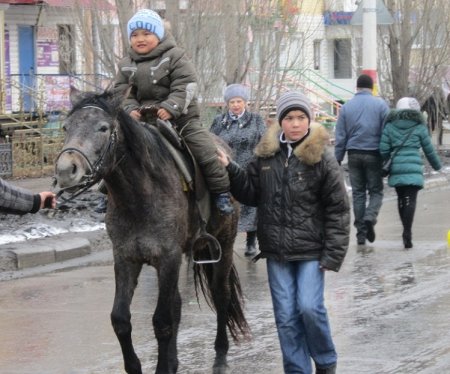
{"points": [[220, 367], [221, 370]]}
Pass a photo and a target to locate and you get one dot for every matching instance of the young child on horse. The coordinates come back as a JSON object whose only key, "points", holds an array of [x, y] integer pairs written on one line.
{"points": [[162, 76]]}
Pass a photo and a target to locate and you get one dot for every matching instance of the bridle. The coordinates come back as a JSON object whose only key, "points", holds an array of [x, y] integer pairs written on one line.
{"points": [[94, 175]]}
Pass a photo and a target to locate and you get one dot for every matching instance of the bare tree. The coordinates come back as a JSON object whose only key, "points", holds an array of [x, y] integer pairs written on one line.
{"points": [[416, 49], [260, 43]]}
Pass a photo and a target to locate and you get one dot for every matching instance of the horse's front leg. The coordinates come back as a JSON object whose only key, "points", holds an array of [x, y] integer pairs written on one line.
{"points": [[168, 314], [126, 275]]}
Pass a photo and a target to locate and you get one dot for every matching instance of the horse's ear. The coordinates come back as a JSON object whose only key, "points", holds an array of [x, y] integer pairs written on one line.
{"points": [[75, 95]]}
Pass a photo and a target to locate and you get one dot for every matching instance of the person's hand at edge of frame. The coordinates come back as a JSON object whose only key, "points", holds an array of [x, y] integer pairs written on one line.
{"points": [[48, 200]]}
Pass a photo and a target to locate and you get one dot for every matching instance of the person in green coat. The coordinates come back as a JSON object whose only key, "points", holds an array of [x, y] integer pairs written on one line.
{"points": [[406, 174]]}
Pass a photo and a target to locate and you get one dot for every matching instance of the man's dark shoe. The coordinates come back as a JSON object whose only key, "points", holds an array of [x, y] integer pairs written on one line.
{"points": [[101, 207], [370, 235], [223, 203], [329, 370]]}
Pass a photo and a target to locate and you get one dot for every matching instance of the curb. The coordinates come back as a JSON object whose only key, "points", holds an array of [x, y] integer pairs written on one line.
{"points": [[44, 251]]}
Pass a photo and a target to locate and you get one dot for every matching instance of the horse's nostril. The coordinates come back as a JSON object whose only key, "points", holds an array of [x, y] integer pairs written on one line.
{"points": [[74, 168]]}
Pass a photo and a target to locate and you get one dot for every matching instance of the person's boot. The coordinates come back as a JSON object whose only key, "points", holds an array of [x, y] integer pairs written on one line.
{"points": [[329, 370], [250, 248], [223, 203], [370, 235], [407, 239], [408, 209]]}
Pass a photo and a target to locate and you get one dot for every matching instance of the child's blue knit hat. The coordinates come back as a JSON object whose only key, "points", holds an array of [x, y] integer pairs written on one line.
{"points": [[146, 19], [236, 90]]}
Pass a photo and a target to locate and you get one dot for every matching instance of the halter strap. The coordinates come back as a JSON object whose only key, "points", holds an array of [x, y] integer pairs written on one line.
{"points": [[94, 176]]}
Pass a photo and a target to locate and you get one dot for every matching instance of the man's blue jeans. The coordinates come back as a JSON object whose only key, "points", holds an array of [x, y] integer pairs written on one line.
{"points": [[366, 179], [301, 317]]}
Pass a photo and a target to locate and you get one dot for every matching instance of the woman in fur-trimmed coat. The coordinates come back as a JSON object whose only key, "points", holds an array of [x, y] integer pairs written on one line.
{"points": [[303, 228], [406, 174], [241, 130]]}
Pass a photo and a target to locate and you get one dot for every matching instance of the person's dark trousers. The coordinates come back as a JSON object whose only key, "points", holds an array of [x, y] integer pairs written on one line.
{"points": [[367, 189], [204, 150], [406, 201]]}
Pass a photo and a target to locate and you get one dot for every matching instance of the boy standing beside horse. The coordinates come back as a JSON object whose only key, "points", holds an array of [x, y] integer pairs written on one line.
{"points": [[161, 75], [303, 228]]}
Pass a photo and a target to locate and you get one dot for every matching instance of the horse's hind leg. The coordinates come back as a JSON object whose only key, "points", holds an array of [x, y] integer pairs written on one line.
{"points": [[126, 275], [167, 316], [221, 298]]}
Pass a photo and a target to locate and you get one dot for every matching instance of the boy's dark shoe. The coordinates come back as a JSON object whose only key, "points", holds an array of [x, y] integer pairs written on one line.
{"points": [[223, 203], [329, 370], [370, 235]]}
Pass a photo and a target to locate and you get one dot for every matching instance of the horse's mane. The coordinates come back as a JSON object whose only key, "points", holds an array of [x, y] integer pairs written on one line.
{"points": [[143, 143]]}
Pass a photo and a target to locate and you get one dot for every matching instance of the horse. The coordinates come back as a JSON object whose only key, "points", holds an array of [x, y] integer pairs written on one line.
{"points": [[151, 219]]}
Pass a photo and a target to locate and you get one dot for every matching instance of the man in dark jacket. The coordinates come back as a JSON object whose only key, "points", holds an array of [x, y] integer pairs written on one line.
{"points": [[303, 228]]}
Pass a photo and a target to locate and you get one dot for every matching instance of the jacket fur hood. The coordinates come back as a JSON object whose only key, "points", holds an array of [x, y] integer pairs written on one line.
{"points": [[405, 114], [310, 150]]}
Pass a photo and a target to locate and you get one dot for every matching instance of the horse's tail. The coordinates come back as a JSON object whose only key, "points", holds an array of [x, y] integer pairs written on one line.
{"points": [[236, 322]]}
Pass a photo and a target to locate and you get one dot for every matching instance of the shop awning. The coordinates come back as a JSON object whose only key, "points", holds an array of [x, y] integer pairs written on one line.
{"points": [[91, 4]]}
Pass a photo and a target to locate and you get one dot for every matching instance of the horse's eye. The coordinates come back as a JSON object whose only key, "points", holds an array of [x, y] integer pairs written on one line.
{"points": [[64, 128], [103, 128]]}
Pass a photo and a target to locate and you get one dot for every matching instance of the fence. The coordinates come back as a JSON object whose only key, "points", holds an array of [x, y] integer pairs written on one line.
{"points": [[31, 153], [27, 148]]}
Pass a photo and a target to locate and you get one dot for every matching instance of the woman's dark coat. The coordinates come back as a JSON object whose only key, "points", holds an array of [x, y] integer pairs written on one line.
{"points": [[242, 135]]}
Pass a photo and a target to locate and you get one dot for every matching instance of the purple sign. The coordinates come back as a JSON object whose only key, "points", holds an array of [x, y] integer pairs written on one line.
{"points": [[7, 71], [47, 47]]}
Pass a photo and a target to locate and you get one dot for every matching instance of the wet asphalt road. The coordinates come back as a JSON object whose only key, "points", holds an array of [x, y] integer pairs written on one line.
{"points": [[389, 310]]}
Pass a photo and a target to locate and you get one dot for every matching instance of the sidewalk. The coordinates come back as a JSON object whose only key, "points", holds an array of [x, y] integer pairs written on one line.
{"points": [[34, 184], [48, 250]]}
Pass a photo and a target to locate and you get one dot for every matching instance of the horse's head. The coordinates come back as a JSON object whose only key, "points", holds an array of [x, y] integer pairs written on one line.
{"points": [[90, 134]]}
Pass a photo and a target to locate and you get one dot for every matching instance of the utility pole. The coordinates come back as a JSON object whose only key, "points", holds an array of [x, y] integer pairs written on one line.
{"points": [[369, 36], [3, 8]]}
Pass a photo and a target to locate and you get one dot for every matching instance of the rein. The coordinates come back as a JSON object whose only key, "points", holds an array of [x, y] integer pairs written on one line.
{"points": [[94, 169]]}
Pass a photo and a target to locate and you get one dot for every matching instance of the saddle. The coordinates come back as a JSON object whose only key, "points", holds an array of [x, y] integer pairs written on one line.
{"points": [[188, 167]]}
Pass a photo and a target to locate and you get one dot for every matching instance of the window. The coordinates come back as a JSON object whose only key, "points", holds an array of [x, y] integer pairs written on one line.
{"points": [[317, 54], [66, 49], [342, 58]]}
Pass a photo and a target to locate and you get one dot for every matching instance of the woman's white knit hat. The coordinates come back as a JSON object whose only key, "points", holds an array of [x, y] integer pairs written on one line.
{"points": [[408, 103]]}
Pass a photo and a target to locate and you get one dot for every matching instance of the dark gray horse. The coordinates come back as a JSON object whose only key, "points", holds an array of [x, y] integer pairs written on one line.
{"points": [[151, 219]]}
